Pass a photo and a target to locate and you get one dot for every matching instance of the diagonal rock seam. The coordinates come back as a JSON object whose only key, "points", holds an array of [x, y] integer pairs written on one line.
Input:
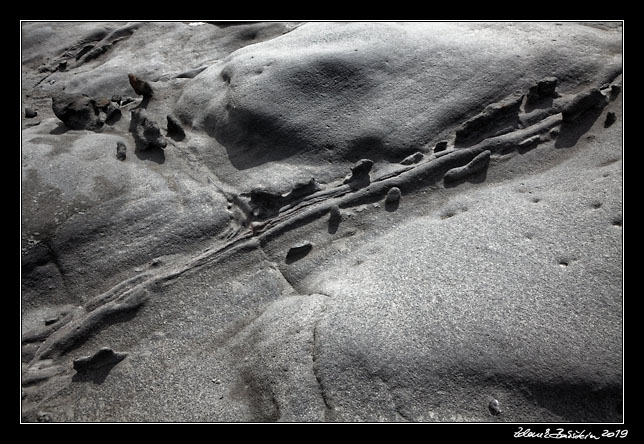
{"points": [[132, 293]]}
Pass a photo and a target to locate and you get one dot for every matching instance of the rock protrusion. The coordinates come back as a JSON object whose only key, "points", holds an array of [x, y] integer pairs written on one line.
{"points": [[393, 195], [592, 98], [545, 88], [477, 164], [302, 189], [335, 216], [266, 203], [360, 173], [103, 357], [494, 407], [392, 199], [140, 86], [76, 112], [496, 119], [146, 131], [412, 159], [121, 151]]}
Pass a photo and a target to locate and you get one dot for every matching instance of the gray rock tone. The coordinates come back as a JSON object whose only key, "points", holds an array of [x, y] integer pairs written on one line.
{"points": [[140, 86], [393, 195], [494, 407], [146, 132], [414, 158], [102, 358], [340, 222], [497, 118], [360, 173], [477, 164], [121, 151], [582, 102], [76, 112], [544, 89]]}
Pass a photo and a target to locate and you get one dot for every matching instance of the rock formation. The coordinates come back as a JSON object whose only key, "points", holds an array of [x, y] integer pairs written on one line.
{"points": [[344, 222]]}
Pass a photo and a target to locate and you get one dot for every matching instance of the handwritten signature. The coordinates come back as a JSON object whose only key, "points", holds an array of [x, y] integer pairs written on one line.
{"points": [[568, 434]]}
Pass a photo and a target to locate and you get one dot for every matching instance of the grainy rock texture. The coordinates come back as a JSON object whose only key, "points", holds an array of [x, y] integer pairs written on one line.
{"points": [[346, 221]]}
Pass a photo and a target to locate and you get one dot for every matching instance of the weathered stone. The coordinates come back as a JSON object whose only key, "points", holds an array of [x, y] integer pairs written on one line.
{"points": [[146, 131], [414, 158], [76, 112], [103, 357], [140, 86], [121, 150], [360, 172], [494, 407], [497, 118], [547, 87], [477, 164], [393, 195], [581, 102]]}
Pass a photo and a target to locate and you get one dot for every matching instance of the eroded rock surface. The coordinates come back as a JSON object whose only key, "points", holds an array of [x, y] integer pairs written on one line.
{"points": [[253, 255]]}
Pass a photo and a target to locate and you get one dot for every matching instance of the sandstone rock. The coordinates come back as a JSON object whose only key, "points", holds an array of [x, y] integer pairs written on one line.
{"points": [[359, 173], [76, 112], [121, 151], [582, 102], [140, 86], [103, 357], [146, 132], [477, 164], [414, 158], [393, 195]]}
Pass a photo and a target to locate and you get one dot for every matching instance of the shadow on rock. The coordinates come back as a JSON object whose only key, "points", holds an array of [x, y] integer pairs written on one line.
{"points": [[96, 367], [60, 129], [333, 226], [298, 252], [144, 103], [113, 118], [149, 144], [155, 155], [540, 103], [392, 200], [392, 206], [596, 403], [571, 131], [253, 138], [335, 217], [96, 376]]}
